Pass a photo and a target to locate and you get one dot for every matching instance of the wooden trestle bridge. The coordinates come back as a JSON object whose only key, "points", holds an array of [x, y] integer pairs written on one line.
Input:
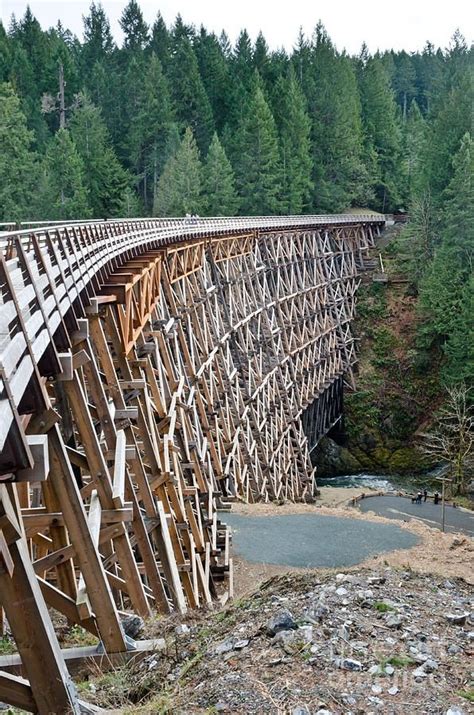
{"points": [[150, 371]]}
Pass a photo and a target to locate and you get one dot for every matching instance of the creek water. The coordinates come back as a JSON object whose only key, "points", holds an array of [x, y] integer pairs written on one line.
{"points": [[382, 482]]}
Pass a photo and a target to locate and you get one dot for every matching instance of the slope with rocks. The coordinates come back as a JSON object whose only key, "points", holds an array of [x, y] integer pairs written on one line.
{"points": [[371, 641]]}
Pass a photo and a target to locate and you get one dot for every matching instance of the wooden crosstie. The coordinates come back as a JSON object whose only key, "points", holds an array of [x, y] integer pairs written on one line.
{"points": [[152, 371]]}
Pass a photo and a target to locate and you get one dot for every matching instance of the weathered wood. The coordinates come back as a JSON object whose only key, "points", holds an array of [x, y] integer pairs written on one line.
{"points": [[169, 369]]}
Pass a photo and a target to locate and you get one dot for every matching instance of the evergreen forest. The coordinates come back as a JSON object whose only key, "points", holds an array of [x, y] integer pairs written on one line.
{"points": [[179, 120]]}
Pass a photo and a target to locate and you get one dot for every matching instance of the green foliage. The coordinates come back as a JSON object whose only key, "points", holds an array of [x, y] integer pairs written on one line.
{"points": [[104, 178], [219, 193], [192, 104], [383, 607], [17, 161], [179, 188], [295, 147], [149, 133], [382, 131], [447, 290], [257, 165], [62, 190]]}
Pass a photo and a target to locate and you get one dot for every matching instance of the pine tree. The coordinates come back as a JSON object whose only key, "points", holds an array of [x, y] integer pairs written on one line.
{"points": [[191, 101], [257, 166], [62, 191], [179, 187], [17, 161], [219, 193], [382, 131], [334, 108], [214, 70], [160, 41], [404, 81], [452, 118], [98, 41], [295, 148], [149, 132], [134, 27], [447, 290], [105, 179]]}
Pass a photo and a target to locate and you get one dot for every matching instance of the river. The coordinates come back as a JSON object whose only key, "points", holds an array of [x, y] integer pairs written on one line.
{"points": [[378, 481]]}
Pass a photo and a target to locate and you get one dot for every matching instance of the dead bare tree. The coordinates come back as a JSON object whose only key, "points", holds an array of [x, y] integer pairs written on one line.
{"points": [[452, 439]]}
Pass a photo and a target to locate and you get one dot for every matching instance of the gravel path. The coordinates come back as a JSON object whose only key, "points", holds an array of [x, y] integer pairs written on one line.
{"points": [[312, 541], [401, 508]]}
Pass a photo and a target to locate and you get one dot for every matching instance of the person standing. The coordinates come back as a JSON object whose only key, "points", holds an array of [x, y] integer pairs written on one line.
{"points": [[425, 495]]}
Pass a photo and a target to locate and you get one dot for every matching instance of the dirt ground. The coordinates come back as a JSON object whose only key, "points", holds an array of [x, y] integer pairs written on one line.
{"points": [[447, 555]]}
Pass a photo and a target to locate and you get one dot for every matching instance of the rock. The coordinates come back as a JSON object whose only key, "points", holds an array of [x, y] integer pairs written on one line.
{"points": [[283, 621], [420, 673], [457, 619], [375, 670], [323, 712], [375, 700], [372, 580], [182, 629], [393, 690], [348, 664], [454, 710], [430, 665], [376, 689], [393, 620], [454, 649], [221, 707], [241, 644], [389, 670], [225, 646], [341, 591], [133, 625], [300, 711], [470, 635], [299, 636]]}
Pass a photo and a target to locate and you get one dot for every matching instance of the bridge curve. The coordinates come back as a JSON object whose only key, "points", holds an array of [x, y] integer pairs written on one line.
{"points": [[151, 370]]}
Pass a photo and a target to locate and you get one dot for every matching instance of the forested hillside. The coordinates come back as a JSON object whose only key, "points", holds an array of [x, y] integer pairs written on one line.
{"points": [[178, 120]]}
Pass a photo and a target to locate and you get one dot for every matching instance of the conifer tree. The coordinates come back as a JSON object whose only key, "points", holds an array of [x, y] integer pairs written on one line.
{"points": [[257, 165], [382, 130], [214, 71], [295, 148], [160, 41], [134, 27], [179, 188], [98, 41], [62, 191], [105, 179], [337, 140], [447, 290], [150, 130], [190, 99], [219, 193], [17, 161]]}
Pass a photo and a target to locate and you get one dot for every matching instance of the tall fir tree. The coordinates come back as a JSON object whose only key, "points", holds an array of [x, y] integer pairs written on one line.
{"points": [[134, 27], [382, 131], [447, 289], [104, 178], [17, 161], [295, 148], [219, 192], [62, 192], [191, 102], [257, 162], [337, 141], [179, 187], [150, 131]]}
